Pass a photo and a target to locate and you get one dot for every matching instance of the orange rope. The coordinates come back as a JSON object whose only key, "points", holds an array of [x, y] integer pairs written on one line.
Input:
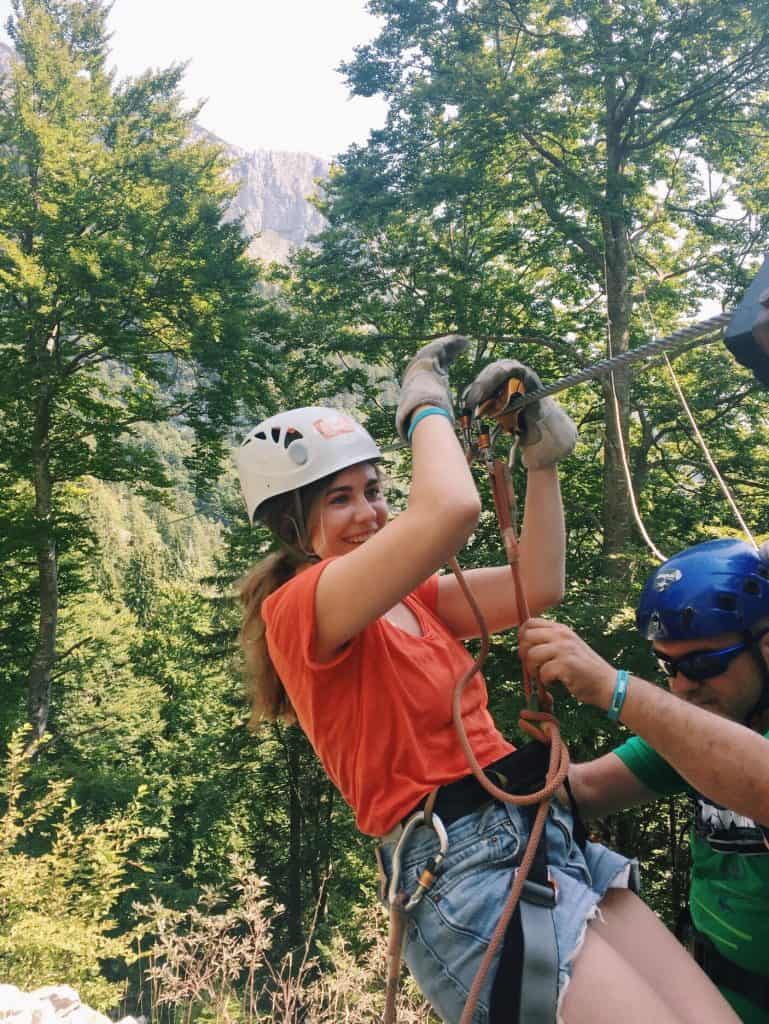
{"points": [[542, 725]]}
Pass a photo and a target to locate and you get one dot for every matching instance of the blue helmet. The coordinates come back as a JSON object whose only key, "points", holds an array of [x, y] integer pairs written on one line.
{"points": [[721, 586]]}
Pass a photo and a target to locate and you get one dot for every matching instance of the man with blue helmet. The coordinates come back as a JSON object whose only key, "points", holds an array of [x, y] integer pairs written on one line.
{"points": [[706, 613]]}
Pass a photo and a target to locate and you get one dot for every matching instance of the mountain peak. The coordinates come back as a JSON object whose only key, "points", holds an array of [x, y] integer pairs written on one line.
{"points": [[273, 194]]}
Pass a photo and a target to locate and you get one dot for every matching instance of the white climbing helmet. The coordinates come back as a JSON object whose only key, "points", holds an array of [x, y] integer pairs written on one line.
{"points": [[297, 447]]}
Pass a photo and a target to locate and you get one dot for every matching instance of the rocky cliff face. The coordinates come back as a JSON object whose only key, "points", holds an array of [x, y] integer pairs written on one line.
{"points": [[273, 199], [273, 195]]}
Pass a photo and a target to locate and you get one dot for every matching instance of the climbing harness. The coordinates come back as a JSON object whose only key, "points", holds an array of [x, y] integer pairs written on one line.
{"points": [[534, 897]]}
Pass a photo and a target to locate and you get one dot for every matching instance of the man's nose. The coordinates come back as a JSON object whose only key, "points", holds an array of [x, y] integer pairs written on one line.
{"points": [[681, 685]]}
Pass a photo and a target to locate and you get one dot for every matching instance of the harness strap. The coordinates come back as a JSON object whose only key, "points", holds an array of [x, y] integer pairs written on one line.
{"points": [[396, 939], [579, 831], [505, 998], [539, 988], [525, 988], [727, 974]]}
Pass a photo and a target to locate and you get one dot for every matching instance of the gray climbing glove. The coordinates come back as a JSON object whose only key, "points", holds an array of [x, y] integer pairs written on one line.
{"points": [[426, 379], [546, 433]]}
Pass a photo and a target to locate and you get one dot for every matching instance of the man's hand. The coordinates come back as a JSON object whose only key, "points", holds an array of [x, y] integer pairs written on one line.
{"points": [[554, 653]]}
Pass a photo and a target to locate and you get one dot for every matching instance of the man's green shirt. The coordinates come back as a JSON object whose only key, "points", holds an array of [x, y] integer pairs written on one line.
{"points": [[729, 894]]}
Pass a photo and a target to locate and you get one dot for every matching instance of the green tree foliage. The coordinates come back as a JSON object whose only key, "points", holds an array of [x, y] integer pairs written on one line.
{"points": [[59, 884], [124, 297], [541, 176], [550, 175], [561, 172]]}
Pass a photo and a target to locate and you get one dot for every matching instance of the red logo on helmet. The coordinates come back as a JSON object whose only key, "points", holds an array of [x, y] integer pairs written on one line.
{"points": [[333, 426]]}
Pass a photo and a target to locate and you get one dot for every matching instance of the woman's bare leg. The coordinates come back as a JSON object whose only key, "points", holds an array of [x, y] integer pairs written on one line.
{"points": [[631, 969], [607, 989], [641, 939]]}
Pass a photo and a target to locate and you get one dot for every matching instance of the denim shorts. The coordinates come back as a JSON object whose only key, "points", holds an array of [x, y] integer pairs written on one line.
{"points": [[448, 931]]}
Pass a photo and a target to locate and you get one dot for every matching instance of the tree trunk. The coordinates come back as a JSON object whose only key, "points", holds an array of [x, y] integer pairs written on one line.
{"points": [[616, 507], [294, 901], [44, 656]]}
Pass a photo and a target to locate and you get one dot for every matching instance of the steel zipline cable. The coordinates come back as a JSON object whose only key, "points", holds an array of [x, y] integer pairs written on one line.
{"points": [[642, 353], [650, 350]]}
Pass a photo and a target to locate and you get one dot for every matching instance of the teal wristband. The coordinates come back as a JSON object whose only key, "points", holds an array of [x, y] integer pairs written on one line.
{"points": [[431, 410], [618, 697]]}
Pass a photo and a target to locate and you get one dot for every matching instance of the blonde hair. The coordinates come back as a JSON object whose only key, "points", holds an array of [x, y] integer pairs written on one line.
{"points": [[287, 516]]}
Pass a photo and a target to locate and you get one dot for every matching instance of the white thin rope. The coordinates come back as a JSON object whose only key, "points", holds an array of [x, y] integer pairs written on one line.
{"points": [[706, 452], [629, 478], [690, 416]]}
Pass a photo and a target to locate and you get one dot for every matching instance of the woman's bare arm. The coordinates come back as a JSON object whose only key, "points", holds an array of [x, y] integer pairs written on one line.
{"points": [[542, 549]]}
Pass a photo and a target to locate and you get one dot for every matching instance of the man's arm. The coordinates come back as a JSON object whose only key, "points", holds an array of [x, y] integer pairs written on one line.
{"points": [[721, 759], [605, 786]]}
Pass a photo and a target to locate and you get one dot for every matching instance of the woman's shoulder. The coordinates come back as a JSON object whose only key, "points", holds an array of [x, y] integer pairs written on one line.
{"points": [[427, 592], [296, 592]]}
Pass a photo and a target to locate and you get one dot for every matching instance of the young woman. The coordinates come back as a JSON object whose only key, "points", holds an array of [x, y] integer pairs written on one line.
{"points": [[349, 630]]}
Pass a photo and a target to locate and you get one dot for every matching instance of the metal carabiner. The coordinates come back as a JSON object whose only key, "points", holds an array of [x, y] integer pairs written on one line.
{"points": [[431, 870]]}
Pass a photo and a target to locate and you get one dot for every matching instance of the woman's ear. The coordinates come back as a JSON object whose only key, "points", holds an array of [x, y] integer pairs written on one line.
{"points": [[763, 646]]}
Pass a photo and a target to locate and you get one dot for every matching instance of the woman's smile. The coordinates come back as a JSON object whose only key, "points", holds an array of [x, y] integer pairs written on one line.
{"points": [[350, 511]]}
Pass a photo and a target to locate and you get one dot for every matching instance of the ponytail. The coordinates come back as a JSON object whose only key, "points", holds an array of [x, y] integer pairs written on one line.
{"points": [[287, 517], [267, 695]]}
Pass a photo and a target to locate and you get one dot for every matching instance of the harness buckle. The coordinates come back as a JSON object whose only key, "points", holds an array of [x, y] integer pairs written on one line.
{"points": [[540, 895], [431, 870]]}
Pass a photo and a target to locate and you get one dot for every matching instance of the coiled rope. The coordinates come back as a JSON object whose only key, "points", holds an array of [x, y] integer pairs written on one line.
{"points": [[536, 719]]}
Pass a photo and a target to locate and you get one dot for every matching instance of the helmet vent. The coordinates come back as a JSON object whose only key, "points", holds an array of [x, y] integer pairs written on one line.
{"points": [[292, 434], [275, 434], [726, 602], [261, 435], [751, 586], [687, 617]]}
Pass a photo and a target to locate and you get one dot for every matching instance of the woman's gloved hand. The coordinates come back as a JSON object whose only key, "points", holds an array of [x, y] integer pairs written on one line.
{"points": [[546, 433], [426, 379]]}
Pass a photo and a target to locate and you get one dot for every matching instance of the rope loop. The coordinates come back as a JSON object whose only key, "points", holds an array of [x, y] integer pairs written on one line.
{"points": [[545, 731]]}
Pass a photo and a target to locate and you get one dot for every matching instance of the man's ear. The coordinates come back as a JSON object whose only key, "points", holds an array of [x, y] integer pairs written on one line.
{"points": [[763, 646]]}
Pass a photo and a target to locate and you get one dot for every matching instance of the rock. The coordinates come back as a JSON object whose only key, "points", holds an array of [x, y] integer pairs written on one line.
{"points": [[62, 998], [273, 192], [273, 199], [50, 1004], [17, 1007]]}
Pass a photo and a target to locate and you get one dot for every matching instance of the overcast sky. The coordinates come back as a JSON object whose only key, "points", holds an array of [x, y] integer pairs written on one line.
{"points": [[265, 67]]}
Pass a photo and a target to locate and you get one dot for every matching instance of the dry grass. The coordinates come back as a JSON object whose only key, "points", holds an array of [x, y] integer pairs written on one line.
{"points": [[213, 963]]}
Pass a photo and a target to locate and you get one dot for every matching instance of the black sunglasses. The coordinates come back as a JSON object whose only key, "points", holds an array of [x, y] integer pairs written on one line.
{"points": [[700, 665]]}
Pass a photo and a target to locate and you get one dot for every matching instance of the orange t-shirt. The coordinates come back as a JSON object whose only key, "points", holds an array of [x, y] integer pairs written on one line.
{"points": [[379, 715]]}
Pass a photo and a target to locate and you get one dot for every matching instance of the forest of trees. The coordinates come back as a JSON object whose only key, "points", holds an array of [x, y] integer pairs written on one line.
{"points": [[557, 181]]}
